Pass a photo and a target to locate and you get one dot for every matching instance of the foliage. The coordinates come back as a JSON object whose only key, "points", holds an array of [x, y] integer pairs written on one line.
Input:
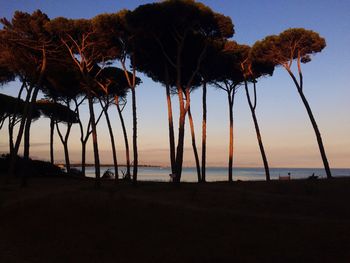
{"points": [[282, 49]]}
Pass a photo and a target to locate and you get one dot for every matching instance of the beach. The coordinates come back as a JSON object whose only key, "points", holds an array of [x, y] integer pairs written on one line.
{"points": [[68, 220]]}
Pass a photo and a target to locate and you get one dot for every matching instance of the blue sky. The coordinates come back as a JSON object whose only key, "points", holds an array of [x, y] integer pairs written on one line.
{"points": [[287, 133]]}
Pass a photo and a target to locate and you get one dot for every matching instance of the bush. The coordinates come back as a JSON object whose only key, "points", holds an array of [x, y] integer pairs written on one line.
{"points": [[32, 168]]}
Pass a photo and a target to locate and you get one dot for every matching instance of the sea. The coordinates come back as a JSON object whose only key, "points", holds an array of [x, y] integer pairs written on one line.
{"points": [[213, 174]]}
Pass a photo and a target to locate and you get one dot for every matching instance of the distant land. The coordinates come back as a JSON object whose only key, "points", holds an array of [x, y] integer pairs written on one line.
{"points": [[106, 165]]}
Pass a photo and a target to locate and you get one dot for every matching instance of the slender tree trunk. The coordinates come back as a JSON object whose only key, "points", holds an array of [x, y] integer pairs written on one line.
{"points": [[194, 146], [134, 135], [66, 156], [230, 158], [114, 152], [64, 141], [10, 130], [257, 130], [312, 119], [52, 130], [125, 134], [28, 124], [204, 131], [181, 135], [318, 135], [83, 156], [94, 141], [171, 130], [13, 157], [13, 119], [170, 122]]}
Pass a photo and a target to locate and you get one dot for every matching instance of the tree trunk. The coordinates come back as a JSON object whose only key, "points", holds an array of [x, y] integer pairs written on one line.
{"points": [[83, 156], [318, 135], [171, 130], [10, 130], [194, 146], [204, 131], [28, 124], [114, 152], [94, 141], [257, 130], [66, 156], [13, 157], [312, 119], [181, 135], [230, 158], [52, 130], [134, 135], [126, 142]]}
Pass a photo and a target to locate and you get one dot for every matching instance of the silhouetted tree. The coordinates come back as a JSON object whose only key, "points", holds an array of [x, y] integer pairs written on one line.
{"points": [[251, 72], [112, 82], [89, 43], [58, 113], [27, 45], [172, 34], [294, 44]]}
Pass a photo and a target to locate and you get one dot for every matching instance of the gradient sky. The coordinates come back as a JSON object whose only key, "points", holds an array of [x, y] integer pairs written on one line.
{"points": [[287, 132]]}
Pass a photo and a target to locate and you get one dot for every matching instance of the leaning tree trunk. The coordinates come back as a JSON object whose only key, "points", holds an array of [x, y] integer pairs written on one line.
{"points": [[64, 141], [230, 158], [317, 133], [114, 152], [134, 135], [28, 124], [12, 120], [52, 130], [257, 129], [204, 131], [94, 141], [126, 142], [13, 157], [194, 146], [299, 87]]}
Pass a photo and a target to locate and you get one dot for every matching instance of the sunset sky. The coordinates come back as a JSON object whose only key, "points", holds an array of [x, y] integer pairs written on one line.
{"points": [[286, 130]]}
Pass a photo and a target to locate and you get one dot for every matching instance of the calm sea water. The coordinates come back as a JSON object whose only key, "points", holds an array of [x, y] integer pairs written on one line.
{"points": [[221, 174]]}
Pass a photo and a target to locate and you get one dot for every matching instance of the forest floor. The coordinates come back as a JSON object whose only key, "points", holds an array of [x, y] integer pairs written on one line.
{"points": [[68, 220]]}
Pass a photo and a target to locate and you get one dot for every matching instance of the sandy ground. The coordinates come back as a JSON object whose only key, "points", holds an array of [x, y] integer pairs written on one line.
{"points": [[67, 220]]}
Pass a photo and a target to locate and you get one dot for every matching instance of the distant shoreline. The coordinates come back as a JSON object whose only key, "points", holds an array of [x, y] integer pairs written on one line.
{"points": [[108, 165]]}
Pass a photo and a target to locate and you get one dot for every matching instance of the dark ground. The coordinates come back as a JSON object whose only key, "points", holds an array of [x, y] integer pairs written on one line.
{"points": [[67, 220]]}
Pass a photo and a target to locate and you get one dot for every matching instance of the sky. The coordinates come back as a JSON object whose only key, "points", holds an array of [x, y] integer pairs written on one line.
{"points": [[287, 133]]}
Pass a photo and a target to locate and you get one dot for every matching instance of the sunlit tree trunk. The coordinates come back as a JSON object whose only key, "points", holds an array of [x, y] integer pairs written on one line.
{"points": [[134, 136], [125, 135], [114, 152], [299, 86], [181, 135], [252, 107], [94, 141], [231, 96], [204, 131], [194, 146]]}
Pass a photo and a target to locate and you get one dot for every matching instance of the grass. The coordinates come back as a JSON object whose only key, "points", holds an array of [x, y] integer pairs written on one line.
{"points": [[67, 220]]}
